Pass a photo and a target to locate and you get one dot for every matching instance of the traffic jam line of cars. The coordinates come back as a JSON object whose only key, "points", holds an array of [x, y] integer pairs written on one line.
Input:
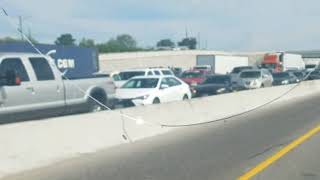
{"points": [[32, 83], [143, 87]]}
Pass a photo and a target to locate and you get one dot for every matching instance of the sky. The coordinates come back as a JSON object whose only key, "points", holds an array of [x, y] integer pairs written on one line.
{"points": [[227, 25]]}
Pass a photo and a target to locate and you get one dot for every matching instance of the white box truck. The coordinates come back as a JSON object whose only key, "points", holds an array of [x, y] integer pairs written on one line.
{"points": [[222, 64]]}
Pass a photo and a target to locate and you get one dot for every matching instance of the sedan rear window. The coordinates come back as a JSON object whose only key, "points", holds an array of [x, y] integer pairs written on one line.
{"points": [[166, 72], [141, 83], [217, 80]]}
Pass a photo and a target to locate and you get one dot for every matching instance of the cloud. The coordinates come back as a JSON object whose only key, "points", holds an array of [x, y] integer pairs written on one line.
{"points": [[223, 25]]}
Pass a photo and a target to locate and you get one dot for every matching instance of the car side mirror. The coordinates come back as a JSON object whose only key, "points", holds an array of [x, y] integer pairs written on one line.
{"points": [[10, 79], [164, 86]]}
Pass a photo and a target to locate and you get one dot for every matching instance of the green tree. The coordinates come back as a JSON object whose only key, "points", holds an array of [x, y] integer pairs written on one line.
{"points": [[66, 40], [166, 43], [122, 43], [126, 41], [9, 40], [14, 40], [191, 43], [87, 43]]}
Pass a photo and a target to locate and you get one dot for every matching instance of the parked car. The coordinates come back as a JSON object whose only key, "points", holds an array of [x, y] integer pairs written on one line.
{"points": [[144, 90], [301, 75], [215, 84], [123, 76], [253, 79], [284, 78], [314, 75], [193, 78], [32, 87], [236, 72]]}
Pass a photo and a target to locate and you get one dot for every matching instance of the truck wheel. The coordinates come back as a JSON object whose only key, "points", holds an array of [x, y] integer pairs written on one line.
{"points": [[262, 85], [156, 101], [93, 105]]}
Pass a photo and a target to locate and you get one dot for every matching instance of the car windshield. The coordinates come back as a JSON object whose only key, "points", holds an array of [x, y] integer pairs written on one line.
{"points": [[130, 74], [250, 74], [310, 66], [239, 69], [217, 80], [268, 66], [281, 75], [141, 83], [191, 75]]}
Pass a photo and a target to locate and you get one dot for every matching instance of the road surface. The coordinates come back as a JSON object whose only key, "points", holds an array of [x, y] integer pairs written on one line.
{"points": [[204, 152]]}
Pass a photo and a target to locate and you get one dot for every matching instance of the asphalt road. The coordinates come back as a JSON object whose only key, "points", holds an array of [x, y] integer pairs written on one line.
{"points": [[302, 163], [204, 152]]}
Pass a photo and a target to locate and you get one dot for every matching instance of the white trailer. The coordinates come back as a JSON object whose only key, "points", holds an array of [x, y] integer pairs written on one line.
{"points": [[222, 64], [292, 62]]}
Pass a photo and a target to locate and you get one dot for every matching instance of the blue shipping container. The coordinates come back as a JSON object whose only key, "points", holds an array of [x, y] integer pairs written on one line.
{"points": [[77, 62]]}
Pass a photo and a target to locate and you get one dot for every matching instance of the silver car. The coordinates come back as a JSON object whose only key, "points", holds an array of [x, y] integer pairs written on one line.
{"points": [[254, 79]]}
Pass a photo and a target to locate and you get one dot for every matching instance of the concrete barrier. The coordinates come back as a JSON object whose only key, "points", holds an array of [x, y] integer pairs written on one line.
{"points": [[34, 144]]}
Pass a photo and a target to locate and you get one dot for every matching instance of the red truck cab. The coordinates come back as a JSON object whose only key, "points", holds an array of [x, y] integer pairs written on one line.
{"points": [[272, 62]]}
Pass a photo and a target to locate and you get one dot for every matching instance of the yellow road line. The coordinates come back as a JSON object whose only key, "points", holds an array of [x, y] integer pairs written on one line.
{"points": [[263, 165]]}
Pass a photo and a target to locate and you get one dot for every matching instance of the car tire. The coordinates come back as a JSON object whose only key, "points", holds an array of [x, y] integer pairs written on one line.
{"points": [[93, 105], [185, 97], [156, 101], [262, 85]]}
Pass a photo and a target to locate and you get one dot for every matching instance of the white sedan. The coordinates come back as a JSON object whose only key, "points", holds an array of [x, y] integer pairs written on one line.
{"points": [[144, 90]]}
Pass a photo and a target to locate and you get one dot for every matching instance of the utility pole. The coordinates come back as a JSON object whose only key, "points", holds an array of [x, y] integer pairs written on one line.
{"points": [[20, 27]]}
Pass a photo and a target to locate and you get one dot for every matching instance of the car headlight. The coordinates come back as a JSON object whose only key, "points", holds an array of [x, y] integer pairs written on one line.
{"points": [[221, 90], [143, 97], [285, 82]]}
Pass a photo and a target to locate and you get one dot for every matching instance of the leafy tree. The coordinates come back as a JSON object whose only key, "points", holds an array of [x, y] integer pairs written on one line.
{"points": [[191, 42], [14, 40], [165, 43], [87, 43], [9, 40], [122, 43], [66, 40], [126, 41]]}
